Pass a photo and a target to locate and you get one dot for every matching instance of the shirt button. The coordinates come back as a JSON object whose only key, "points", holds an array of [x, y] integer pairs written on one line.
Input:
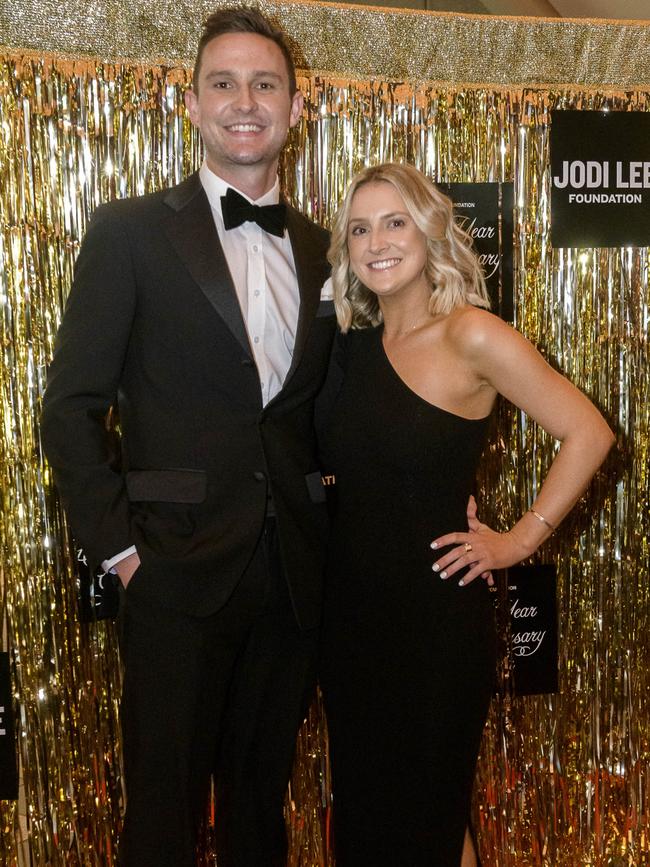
{"points": [[256, 340], [259, 477], [257, 293], [255, 248]]}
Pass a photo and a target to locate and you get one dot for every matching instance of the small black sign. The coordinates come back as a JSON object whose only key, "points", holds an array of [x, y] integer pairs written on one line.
{"points": [[485, 212], [8, 755], [600, 178], [533, 628]]}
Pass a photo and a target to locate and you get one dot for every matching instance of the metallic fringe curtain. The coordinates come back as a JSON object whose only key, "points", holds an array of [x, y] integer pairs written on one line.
{"points": [[562, 779]]}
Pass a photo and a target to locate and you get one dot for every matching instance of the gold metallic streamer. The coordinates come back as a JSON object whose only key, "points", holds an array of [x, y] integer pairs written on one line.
{"points": [[562, 779]]}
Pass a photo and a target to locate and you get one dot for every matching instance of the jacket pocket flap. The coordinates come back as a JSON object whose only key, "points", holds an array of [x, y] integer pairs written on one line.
{"points": [[167, 486]]}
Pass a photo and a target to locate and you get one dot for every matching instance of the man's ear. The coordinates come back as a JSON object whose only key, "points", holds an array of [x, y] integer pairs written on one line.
{"points": [[191, 104], [297, 103]]}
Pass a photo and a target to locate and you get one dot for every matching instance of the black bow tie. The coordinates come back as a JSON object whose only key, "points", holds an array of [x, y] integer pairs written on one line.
{"points": [[237, 210]]}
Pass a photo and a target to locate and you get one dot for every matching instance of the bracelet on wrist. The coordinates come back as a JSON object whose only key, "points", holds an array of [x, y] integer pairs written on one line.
{"points": [[542, 519]]}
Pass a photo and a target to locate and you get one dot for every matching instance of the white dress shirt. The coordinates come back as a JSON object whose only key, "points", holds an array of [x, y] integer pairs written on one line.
{"points": [[263, 271]]}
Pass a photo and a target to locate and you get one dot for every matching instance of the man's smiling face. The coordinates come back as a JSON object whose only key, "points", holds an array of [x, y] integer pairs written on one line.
{"points": [[243, 107]]}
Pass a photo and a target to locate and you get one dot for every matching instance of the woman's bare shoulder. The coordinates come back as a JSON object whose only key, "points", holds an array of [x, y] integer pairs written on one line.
{"points": [[473, 329]]}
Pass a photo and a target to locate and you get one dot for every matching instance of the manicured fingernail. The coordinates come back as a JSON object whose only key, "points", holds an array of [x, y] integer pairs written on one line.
{"points": [[434, 545], [461, 583], [435, 567], [443, 574]]}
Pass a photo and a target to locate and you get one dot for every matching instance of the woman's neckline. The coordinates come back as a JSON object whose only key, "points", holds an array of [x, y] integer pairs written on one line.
{"points": [[379, 330]]}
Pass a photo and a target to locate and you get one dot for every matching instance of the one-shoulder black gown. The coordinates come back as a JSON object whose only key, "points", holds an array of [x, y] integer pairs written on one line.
{"points": [[408, 659]]}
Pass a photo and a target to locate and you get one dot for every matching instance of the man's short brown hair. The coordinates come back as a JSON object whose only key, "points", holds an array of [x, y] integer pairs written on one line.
{"points": [[243, 19]]}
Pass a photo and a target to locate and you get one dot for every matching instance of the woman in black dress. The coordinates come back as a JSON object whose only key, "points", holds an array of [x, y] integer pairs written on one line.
{"points": [[408, 660]]}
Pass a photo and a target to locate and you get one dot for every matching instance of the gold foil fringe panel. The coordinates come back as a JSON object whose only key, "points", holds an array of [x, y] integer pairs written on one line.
{"points": [[359, 41], [561, 778], [580, 751], [368, 122], [70, 138], [181, 71]]}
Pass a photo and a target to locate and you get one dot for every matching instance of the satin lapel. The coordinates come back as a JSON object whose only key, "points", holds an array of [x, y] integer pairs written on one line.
{"points": [[191, 230], [309, 280]]}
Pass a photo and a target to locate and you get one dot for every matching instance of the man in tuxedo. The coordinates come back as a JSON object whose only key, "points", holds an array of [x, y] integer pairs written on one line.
{"points": [[196, 312]]}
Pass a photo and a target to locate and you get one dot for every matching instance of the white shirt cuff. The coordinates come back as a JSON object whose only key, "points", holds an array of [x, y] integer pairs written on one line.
{"points": [[327, 292], [107, 565]]}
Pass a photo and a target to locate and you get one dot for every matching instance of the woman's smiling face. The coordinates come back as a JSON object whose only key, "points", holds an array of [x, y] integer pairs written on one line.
{"points": [[388, 251]]}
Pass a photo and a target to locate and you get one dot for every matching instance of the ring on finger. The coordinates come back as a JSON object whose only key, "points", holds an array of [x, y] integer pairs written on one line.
{"points": [[468, 547]]}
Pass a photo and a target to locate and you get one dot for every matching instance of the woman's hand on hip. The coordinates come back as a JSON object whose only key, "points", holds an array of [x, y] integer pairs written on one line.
{"points": [[479, 551]]}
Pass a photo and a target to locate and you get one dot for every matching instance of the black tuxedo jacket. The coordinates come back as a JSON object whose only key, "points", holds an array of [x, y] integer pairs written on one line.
{"points": [[153, 327]]}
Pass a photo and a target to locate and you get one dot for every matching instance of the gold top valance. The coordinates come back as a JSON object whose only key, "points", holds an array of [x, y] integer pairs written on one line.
{"points": [[354, 41]]}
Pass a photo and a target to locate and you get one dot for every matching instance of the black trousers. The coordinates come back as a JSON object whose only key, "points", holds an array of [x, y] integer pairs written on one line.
{"points": [[222, 695]]}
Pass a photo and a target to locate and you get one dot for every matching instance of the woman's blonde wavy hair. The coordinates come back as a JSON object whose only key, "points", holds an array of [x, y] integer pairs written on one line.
{"points": [[452, 268]]}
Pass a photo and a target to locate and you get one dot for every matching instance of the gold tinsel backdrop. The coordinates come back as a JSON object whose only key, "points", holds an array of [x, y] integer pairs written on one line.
{"points": [[91, 109]]}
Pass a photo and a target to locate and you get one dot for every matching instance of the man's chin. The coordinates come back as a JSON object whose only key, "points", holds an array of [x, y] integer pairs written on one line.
{"points": [[224, 160], [252, 157], [248, 159]]}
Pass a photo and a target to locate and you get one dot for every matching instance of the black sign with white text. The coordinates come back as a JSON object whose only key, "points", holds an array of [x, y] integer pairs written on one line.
{"points": [[485, 212], [600, 179], [8, 757], [533, 628]]}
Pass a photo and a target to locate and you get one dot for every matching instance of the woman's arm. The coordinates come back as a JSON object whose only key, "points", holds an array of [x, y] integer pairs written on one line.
{"points": [[507, 362]]}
